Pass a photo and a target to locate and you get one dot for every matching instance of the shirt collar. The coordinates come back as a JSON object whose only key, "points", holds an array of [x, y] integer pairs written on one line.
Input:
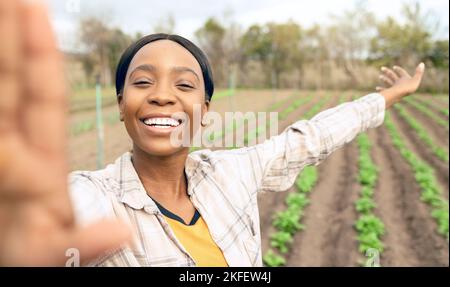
{"points": [[133, 192]]}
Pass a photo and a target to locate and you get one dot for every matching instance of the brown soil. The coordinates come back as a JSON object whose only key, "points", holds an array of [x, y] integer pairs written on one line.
{"points": [[329, 238]]}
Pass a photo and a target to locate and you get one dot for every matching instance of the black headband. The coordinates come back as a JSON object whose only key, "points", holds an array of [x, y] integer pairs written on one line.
{"points": [[198, 54]]}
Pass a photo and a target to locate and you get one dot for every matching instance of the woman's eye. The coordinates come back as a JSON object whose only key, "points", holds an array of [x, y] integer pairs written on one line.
{"points": [[142, 83], [185, 86]]}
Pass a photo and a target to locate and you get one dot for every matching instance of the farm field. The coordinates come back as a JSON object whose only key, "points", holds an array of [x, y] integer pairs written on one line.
{"points": [[380, 200]]}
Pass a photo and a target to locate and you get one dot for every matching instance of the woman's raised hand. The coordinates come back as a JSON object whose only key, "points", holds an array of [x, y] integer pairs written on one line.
{"points": [[36, 218], [399, 83]]}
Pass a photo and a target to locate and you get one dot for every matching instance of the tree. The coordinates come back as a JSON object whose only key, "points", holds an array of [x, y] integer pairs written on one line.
{"points": [[221, 44], [210, 37], [405, 43], [348, 41], [277, 46], [165, 25], [103, 46], [439, 54]]}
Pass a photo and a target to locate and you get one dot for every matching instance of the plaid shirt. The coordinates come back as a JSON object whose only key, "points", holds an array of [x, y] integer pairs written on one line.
{"points": [[222, 185]]}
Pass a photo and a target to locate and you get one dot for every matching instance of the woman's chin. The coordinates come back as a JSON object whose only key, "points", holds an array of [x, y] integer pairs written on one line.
{"points": [[162, 149]]}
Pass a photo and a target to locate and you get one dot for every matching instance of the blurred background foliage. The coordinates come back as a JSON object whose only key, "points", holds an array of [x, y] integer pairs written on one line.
{"points": [[346, 54]]}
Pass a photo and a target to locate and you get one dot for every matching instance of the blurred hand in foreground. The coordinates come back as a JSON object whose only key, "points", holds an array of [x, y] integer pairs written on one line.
{"points": [[36, 219]]}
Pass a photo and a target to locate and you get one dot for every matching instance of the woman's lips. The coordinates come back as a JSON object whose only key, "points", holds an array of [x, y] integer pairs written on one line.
{"points": [[160, 126]]}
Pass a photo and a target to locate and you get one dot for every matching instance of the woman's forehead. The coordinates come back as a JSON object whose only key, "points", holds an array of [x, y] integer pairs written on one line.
{"points": [[165, 54]]}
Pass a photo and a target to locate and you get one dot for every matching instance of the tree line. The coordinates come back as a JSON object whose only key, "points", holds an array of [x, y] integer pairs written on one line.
{"points": [[345, 54]]}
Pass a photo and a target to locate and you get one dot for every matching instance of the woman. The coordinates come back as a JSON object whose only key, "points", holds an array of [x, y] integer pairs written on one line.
{"points": [[159, 205]]}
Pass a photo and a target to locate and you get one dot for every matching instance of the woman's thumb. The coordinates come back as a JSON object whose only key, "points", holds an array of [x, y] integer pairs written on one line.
{"points": [[420, 70], [101, 239]]}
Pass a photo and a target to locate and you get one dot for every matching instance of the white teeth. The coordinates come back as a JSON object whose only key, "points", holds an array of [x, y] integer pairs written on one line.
{"points": [[161, 122]]}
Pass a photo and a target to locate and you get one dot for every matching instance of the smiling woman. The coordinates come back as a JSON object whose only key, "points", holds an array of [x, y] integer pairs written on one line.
{"points": [[158, 205]]}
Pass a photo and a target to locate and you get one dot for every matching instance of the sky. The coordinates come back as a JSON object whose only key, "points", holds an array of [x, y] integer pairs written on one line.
{"points": [[142, 15]]}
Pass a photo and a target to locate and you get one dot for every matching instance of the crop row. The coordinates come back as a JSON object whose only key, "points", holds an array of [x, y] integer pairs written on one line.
{"points": [[288, 222], [370, 228], [431, 192], [427, 111], [422, 133]]}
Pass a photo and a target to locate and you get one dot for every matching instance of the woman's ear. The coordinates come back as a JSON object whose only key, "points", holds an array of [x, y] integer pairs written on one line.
{"points": [[121, 107], [205, 109]]}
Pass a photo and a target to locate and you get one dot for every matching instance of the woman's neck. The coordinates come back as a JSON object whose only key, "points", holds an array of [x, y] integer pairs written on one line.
{"points": [[163, 177]]}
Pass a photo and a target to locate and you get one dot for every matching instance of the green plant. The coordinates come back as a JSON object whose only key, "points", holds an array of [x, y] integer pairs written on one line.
{"points": [[370, 224], [294, 106], [369, 241], [281, 240], [365, 205], [366, 191], [370, 228], [307, 179], [271, 259], [297, 200], [288, 220]]}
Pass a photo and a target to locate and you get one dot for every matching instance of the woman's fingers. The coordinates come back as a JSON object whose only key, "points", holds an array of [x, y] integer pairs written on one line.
{"points": [[390, 74], [44, 107], [9, 66], [402, 72], [420, 70], [379, 89], [417, 78], [405, 85], [386, 80], [99, 238]]}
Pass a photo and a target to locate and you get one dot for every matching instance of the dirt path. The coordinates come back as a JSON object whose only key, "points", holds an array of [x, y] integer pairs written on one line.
{"points": [[411, 238], [329, 237]]}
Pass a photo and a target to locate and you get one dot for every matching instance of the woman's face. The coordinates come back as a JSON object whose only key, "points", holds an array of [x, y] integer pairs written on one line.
{"points": [[163, 78]]}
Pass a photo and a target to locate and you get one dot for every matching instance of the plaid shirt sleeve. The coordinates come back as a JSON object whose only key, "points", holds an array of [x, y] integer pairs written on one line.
{"points": [[276, 163]]}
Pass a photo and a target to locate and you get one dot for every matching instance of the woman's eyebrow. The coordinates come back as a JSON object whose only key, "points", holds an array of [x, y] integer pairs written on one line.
{"points": [[145, 67], [151, 68], [185, 69]]}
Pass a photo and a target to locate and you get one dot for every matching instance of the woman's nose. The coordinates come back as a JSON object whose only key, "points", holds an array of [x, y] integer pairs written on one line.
{"points": [[161, 98]]}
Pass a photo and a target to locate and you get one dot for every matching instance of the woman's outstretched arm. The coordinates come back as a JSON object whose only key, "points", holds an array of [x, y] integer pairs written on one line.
{"points": [[275, 164]]}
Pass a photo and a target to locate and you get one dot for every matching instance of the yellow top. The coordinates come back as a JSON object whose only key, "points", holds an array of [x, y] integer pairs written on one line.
{"points": [[198, 242]]}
